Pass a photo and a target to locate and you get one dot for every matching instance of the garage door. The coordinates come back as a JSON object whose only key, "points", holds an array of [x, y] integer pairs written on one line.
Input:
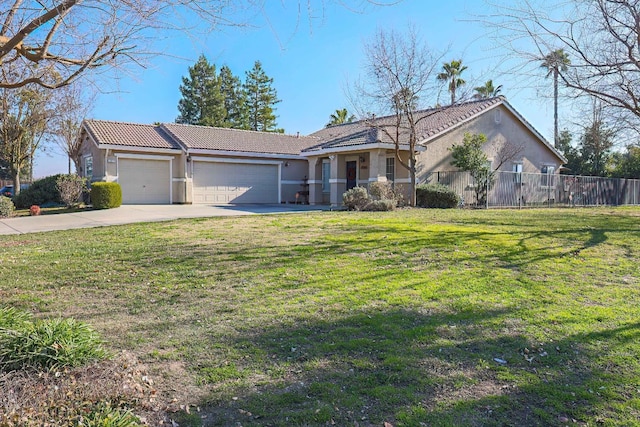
{"points": [[220, 183], [144, 181]]}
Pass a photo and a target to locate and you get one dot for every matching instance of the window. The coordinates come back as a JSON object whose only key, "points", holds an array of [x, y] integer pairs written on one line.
{"points": [[88, 167], [517, 173], [547, 175], [326, 173], [391, 169]]}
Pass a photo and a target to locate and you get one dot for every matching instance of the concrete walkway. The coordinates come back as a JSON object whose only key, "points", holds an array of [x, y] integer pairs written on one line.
{"points": [[128, 214]]}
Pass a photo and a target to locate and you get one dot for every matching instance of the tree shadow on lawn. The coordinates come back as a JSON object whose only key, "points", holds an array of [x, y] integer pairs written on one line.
{"points": [[408, 367]]}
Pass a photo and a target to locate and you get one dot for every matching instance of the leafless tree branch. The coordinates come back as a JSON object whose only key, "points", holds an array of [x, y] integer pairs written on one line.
{"points": [[59, 40]]}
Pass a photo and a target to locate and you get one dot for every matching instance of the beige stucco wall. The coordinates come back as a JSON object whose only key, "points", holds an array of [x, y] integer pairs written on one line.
{"points": [[294, 176], [507, 130], [91, 149]]}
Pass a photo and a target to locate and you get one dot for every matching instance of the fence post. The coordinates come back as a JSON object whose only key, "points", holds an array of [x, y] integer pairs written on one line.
{"points": [[486, 197]]}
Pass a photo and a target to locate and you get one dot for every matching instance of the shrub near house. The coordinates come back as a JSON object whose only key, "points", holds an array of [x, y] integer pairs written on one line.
{"points": [[6, 207], [436, 196], [42, 192], [106, 195]]}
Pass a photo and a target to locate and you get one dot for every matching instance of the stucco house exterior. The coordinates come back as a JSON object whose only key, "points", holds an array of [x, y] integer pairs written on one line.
{"points": [[174, 163]]}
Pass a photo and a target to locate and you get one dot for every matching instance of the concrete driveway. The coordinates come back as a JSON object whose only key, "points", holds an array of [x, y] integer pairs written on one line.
{"points": [[128, 214]]}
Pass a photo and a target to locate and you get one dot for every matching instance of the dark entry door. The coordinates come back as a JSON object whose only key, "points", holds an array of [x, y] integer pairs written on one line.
{"points": [[352, 174]]}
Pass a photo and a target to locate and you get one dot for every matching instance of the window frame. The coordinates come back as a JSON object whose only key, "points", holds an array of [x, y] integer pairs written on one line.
{"points": [[390, 169], [548, 175], [326, 175], [88, 166]]}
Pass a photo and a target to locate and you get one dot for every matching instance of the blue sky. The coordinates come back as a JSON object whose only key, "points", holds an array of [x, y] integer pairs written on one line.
{"points": [[311, 63]]}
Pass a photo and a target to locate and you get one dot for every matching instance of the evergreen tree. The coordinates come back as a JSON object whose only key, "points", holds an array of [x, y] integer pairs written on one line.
{"points": [[234, 99], [261, 98], [575, 163], [202, 102]]}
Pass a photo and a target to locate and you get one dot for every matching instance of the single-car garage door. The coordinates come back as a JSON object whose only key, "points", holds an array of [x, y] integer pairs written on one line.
{"points": [[220, 183], [144, 181]]}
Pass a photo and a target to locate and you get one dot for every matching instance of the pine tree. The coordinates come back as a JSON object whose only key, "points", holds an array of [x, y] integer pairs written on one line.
{"points": [[261, 98], [234, 99], [202, 102]]}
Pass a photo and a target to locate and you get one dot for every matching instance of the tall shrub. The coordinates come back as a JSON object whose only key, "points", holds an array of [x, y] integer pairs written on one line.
{"points": [[6, 207], [106, 195], [43, 192], [71, 187], [436, 196]]}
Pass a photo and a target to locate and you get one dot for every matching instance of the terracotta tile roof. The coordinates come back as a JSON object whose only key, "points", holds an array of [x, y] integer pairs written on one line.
{"points": [[432, 122], [223, 139], [129, 134]]}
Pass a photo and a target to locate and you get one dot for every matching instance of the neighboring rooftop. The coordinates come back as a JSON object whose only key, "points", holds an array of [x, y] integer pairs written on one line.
{"points": [[129, 134]]}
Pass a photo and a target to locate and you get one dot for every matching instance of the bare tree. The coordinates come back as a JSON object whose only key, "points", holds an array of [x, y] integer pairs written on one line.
{"points": [[74, 104], [25, 115], [601, 38], [400, 74], [59, 40]]}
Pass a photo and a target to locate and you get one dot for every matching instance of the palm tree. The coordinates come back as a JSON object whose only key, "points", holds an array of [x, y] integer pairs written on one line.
{"points": [[555, 62], [487, 90], [340, 117], [451, 73]]}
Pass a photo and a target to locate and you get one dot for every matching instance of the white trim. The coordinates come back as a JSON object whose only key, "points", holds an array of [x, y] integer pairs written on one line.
{"points": [[179, 179], [292, 182], [140, 149], [378, 179], [403, 181], [229, 160], [357, 148], [337, 181], [314, 181], [142, 156], [279, 182], [245, 154]]}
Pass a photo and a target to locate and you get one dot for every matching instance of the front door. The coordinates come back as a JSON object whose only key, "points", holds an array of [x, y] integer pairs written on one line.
{"points": [[352, 174]]}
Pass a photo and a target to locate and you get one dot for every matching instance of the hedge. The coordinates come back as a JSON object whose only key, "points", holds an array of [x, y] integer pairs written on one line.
{"points": [[106, 195], [436, 196], [43, 192]]}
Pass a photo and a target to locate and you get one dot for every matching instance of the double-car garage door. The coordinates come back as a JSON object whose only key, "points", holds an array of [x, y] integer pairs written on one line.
{"points": [[225, 182]]}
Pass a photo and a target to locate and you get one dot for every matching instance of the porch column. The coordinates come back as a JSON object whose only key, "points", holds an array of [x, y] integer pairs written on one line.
{"points": [[378, 166], [336, 195], [315, 182]]}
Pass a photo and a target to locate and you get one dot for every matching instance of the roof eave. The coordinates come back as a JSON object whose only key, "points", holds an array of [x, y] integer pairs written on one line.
{"points": [[139, 149], [203, 151], [359, 147]]}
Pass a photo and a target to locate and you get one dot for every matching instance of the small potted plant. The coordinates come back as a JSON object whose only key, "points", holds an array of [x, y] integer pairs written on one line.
{"points": [[34, 210]]}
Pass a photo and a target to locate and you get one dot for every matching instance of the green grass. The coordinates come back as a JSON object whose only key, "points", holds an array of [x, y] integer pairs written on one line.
{"points": [[45, 344], [314, 319]]}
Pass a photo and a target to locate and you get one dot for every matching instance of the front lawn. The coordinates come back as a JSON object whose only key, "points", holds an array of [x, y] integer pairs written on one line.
{"points": [[414, 317]]}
